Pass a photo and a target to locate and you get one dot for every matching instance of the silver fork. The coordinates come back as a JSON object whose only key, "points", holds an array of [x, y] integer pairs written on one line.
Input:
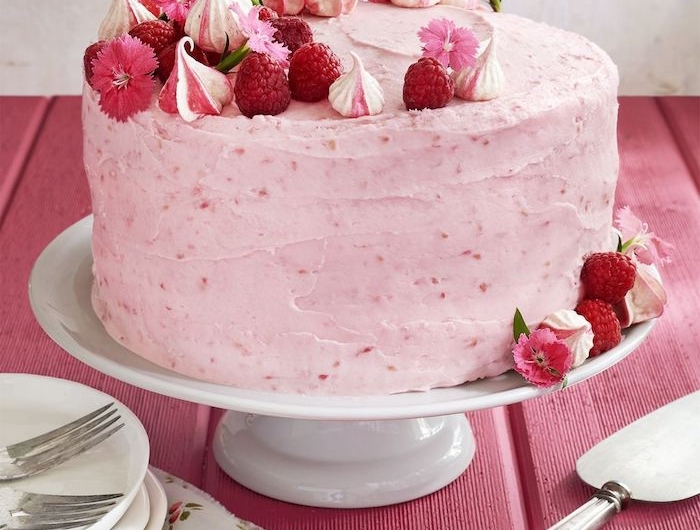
{"points": [[21, 510], [50, 449]]}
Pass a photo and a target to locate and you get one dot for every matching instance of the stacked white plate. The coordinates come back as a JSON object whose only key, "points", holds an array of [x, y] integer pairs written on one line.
{"points": [[31, 405]]}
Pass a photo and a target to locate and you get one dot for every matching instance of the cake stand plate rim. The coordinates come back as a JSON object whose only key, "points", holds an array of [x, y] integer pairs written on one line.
{"points": [[57, 292]]}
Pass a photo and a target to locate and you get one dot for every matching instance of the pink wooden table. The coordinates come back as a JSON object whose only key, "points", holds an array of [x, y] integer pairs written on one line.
{"points": [[522, 476]]}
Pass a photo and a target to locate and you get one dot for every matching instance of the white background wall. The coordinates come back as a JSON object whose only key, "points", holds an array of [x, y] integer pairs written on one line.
{"points": [[656, 43]]}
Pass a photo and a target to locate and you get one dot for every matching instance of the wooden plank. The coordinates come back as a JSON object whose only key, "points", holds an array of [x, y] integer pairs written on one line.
{"points": [[555, 430], [683, 117], [52, 194], [485, 496], [20, 121]]}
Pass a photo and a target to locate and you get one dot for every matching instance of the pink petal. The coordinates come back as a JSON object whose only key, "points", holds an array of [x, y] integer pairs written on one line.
{"points": [[121, 103], [628, 223], [465, 45], [176, 9]]}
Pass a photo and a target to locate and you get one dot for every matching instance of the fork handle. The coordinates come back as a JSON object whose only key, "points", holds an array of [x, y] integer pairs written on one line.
{"points": [[605, 503]]}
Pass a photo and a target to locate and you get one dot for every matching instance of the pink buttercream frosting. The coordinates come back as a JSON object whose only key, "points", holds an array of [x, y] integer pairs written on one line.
{"points": [[311, 253]]}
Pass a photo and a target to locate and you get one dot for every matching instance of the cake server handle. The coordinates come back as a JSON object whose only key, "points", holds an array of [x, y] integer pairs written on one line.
{"points": [[600, 508]]}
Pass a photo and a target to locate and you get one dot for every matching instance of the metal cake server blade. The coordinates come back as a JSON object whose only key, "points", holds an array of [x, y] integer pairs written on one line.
{"points": [[656, 458]]}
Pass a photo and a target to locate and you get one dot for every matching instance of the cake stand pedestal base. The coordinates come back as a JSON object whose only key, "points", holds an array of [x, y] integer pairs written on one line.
{"points": [[343, 464]]}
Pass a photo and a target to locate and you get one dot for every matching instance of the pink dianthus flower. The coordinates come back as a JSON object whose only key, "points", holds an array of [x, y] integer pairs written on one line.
{"points": [[541, 358], [451, 46], [122, 74]]}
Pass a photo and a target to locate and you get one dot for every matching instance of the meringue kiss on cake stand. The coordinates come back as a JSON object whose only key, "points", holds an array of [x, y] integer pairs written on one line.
{"points": [[342, 452]]}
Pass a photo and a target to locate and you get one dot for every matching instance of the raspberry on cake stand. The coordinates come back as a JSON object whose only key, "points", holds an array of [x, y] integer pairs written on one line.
{"points": [[343, 452]]}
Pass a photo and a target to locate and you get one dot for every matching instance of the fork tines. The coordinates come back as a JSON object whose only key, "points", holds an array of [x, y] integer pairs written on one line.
{"points": [[38, 511], [55, 447]]}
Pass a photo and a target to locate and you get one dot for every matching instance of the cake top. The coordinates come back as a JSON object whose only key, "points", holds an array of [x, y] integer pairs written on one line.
{"points": [[540, 63], [539, 66]]}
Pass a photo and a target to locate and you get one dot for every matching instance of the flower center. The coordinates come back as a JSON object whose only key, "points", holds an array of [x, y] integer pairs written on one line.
{"points": [[539, 358], [121, 79]]}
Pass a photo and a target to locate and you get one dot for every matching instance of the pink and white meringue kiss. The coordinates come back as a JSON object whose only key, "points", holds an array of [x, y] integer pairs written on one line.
{"points": [[194, 90], [485, 80], [121, 17], [572, 329], [209, 22], [646, 299], [356, 93]]}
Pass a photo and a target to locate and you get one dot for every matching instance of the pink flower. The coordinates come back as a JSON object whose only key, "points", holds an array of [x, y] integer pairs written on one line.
{"points": [[541, 358], [636, 239], [122, 75], [259, 33], [175, 9], [452, 46]]}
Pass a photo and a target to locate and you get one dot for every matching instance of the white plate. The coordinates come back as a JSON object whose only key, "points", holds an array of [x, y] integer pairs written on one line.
{"points": [[159, 502], [33, 404], [138, 514], [59, 293], [205, 512]]}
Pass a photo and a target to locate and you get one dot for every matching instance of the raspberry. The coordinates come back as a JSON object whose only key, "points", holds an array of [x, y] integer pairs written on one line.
{"points": [[427, 85], [292, 32], [606, 326], [261, 86], [166, 59], [158, 34], [266, 13], [89, 56], [608, 276], [312, 70]]}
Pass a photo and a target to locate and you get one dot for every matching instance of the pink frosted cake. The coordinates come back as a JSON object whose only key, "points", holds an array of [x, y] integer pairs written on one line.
{"points": [[307, 252]]}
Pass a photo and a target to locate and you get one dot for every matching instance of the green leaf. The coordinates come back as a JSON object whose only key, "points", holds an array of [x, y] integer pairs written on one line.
{"points": [[519, 325], [624, 247], [564, 382], [495, 4], [184, 516], [619, 244], [233, 58], [192, 505]]}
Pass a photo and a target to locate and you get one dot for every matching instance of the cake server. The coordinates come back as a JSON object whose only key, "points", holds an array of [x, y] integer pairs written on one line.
{"points": [[656, 458]]}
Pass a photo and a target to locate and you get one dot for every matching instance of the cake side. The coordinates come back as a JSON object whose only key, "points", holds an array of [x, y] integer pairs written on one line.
{"points": [[309, 253]]}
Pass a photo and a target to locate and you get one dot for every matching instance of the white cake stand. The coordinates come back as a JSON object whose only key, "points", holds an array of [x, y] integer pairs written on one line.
{"points": [[342, 452]]}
